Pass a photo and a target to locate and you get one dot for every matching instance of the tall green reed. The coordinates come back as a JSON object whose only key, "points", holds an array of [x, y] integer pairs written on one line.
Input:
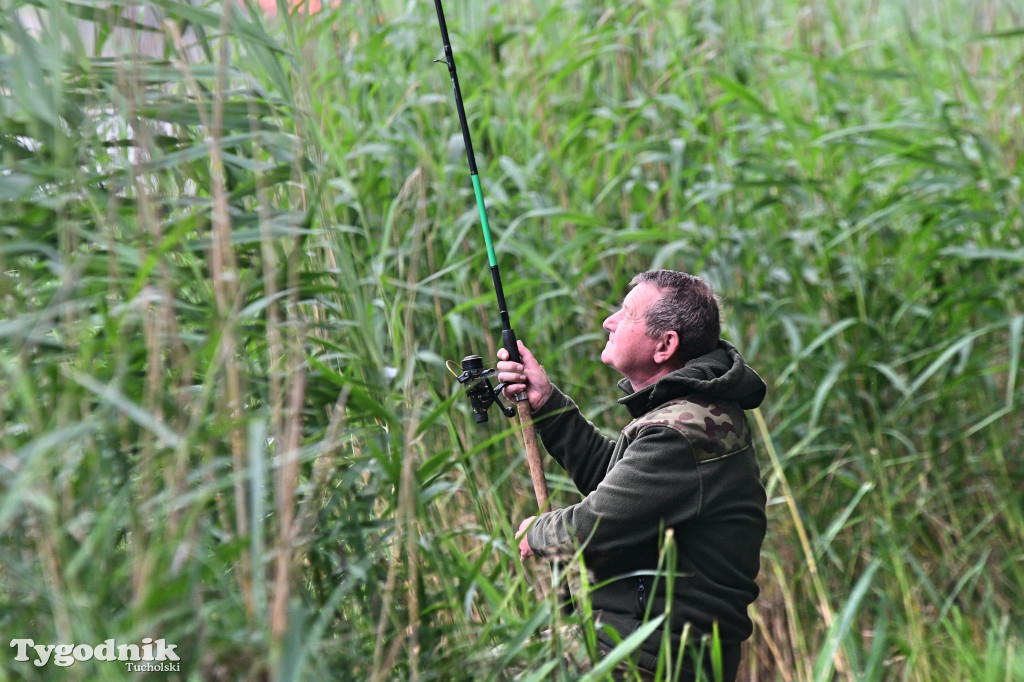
{"points": [[168, 441]]}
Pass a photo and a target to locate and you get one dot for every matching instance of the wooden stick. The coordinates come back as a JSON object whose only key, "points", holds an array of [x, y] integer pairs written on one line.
{"points": [[540, 485]]}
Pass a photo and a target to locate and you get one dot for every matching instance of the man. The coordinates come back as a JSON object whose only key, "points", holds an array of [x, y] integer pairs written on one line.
{"points": [[686, 463]]}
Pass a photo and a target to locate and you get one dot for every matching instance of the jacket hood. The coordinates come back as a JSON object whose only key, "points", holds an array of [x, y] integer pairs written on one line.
{"points": [[721, 374]]}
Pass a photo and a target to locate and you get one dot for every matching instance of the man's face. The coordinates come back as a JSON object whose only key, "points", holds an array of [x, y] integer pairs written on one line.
{"points": [[630, 351]]}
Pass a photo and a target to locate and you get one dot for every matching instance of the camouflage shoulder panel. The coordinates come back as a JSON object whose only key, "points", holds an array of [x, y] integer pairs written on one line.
{"points": [[714, 429]]}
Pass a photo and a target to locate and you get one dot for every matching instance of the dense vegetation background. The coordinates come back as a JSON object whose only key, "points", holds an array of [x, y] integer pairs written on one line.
{"points": [[236, 250]]}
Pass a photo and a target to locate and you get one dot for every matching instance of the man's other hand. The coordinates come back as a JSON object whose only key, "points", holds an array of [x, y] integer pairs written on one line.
{"points": [[524, 547]]}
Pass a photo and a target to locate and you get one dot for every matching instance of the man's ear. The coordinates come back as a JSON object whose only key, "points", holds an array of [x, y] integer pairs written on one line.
{"points": [[666, 349]]}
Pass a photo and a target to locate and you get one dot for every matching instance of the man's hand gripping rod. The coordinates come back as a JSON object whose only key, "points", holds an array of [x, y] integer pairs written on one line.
{"points": [[508, 337]]}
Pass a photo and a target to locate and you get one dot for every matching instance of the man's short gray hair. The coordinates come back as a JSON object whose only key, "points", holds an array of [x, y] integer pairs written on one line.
{"points": [[688, 306]]}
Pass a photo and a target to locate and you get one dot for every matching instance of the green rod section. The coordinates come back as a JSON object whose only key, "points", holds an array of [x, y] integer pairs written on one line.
{"points": [[484, 225]]}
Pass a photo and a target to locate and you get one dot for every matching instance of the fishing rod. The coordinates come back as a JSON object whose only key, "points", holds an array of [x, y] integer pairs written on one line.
{"points": [[474, 375]]}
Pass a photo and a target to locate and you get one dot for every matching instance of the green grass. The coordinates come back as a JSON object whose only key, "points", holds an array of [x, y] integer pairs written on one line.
{"points": [[232, 269]]}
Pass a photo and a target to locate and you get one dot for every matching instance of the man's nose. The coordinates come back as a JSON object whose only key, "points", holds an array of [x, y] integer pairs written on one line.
{"points": [[611, 321]]}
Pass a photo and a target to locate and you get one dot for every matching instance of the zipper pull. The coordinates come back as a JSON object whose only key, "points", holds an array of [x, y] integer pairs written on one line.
{"points": [[640, 593]]}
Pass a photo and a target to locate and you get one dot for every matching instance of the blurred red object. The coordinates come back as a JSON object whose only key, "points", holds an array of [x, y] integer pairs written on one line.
{"points": [[311, 6]]}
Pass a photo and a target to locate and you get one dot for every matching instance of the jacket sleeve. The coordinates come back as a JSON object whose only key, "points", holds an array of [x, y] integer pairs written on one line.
{"points": [[575, 443], [655, 482]]}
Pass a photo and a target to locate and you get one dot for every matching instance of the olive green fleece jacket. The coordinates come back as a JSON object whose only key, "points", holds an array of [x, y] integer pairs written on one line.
{"points": [[686, 462]]}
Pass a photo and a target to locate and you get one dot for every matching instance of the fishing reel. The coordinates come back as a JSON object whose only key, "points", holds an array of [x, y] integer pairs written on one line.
{"points": [[482, 395]]}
